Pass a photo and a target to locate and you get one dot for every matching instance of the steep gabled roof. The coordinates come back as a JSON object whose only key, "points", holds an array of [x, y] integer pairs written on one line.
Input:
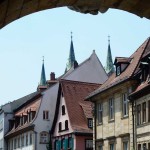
{"points": [[79, 110], [114, 80], [90, 70]]}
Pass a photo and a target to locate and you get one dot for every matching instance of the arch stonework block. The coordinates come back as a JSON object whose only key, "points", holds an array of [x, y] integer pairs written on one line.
{"points": [[11, 10]]}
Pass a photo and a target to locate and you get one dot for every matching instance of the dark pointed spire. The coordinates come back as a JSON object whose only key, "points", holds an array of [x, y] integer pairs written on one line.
{"points": [[43, 77], [109, 62], [71, 58]]}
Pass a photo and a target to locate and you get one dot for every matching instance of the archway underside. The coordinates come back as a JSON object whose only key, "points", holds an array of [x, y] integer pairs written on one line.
{"points": [[11, 10]]}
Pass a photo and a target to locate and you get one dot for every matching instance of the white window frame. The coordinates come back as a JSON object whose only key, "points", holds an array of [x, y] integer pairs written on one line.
{"points": [[127, 146], [111, 108], [45, 115], [44, 137], [125, 105], [99, 113], [88, 144]]}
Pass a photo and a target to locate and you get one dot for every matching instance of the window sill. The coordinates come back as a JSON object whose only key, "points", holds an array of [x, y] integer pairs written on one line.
{"points": [[46, 119], [63, 130], [99, 124], [112, 120], [43, 142], [124, 117], [143, 124]]}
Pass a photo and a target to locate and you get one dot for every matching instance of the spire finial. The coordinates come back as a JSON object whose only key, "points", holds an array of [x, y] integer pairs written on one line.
{"points": [[108, 39], [43, 59], [71, 35]]}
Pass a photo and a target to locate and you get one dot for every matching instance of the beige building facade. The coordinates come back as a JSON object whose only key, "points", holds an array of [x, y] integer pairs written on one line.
{"points": [[122, 101]]}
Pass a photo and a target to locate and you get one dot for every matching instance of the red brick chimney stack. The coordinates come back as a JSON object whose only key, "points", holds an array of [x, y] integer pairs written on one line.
{"points": [[52, 76]]}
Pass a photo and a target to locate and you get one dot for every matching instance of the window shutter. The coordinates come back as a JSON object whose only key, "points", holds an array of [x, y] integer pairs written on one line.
{"points": [[66, 144], [72, 144]]}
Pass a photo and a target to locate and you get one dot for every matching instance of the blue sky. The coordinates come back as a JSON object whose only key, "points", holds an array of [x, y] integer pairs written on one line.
{"points": [[47, 33]]}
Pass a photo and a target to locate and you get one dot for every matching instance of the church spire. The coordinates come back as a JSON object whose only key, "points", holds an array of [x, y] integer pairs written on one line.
{"points": [[109, 62], [43, 77], [71, 58]]}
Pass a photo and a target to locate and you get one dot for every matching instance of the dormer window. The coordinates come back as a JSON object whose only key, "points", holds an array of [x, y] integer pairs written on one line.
{"points": [[118, 71], [145, 69], [121, 64]]}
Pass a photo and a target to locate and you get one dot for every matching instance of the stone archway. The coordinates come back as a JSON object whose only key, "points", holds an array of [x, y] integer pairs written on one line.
{"points": [[11, 10]]}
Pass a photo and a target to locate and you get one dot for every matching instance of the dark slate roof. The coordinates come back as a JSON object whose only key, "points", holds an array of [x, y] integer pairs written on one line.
{"points": [[114, 80], [17, 103]]}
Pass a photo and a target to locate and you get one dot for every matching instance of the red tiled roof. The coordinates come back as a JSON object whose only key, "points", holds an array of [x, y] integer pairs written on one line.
{"points": [[127, 73], [78, 110], [23, 111]]}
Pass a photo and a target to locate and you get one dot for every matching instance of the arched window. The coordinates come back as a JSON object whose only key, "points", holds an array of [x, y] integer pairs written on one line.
{"points": [[63, 109], [44, 137], [66, 125]]}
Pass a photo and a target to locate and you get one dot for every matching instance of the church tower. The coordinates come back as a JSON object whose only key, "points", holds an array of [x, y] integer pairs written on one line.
{"points": [[109, 68], [42, 85], [71, 60]]}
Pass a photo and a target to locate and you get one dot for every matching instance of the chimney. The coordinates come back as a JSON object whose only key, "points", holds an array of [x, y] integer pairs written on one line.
{"points": [[52, 76]]}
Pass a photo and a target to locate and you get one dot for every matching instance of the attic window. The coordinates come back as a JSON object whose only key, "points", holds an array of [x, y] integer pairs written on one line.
{"points": [[63, 110], [118, 70], [121, 64], [144, 66], [90, 123]]}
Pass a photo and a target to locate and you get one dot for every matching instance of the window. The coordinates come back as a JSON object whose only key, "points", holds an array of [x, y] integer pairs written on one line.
{"points": [[44, 137], [139, 146], [144, 111], [18, 142], [89, 144], [15, 143], [63, 110], [111, 108], [148, 146], [1, 125], [100, 147], [90, 123], [148, 111], [125, 145], [59, 126], [22, 140], [139, 114], [70, 143], [112, 147], [26, 139], [144, 146], [66, 125], [30, 138], [99, 113], [45, 114], [125, 104], [118, 70]]}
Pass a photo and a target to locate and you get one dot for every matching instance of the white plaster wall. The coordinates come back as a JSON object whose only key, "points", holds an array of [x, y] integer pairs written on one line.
{"points": [[48, 103], [62, 118]]}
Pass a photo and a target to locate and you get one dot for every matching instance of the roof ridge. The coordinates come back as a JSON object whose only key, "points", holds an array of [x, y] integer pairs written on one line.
{"points": [[81, 82]]}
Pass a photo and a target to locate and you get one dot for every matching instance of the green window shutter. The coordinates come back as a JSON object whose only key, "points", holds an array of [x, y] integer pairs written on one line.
{"points": [[72, 144], [66, 144], [59, 145]]}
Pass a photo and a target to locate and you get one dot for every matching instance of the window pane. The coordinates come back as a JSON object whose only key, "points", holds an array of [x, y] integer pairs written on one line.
{"points": [[125, 145]]}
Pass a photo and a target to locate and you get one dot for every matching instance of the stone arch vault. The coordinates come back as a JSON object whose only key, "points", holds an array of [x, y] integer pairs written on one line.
{"points": [[11, 10]]}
